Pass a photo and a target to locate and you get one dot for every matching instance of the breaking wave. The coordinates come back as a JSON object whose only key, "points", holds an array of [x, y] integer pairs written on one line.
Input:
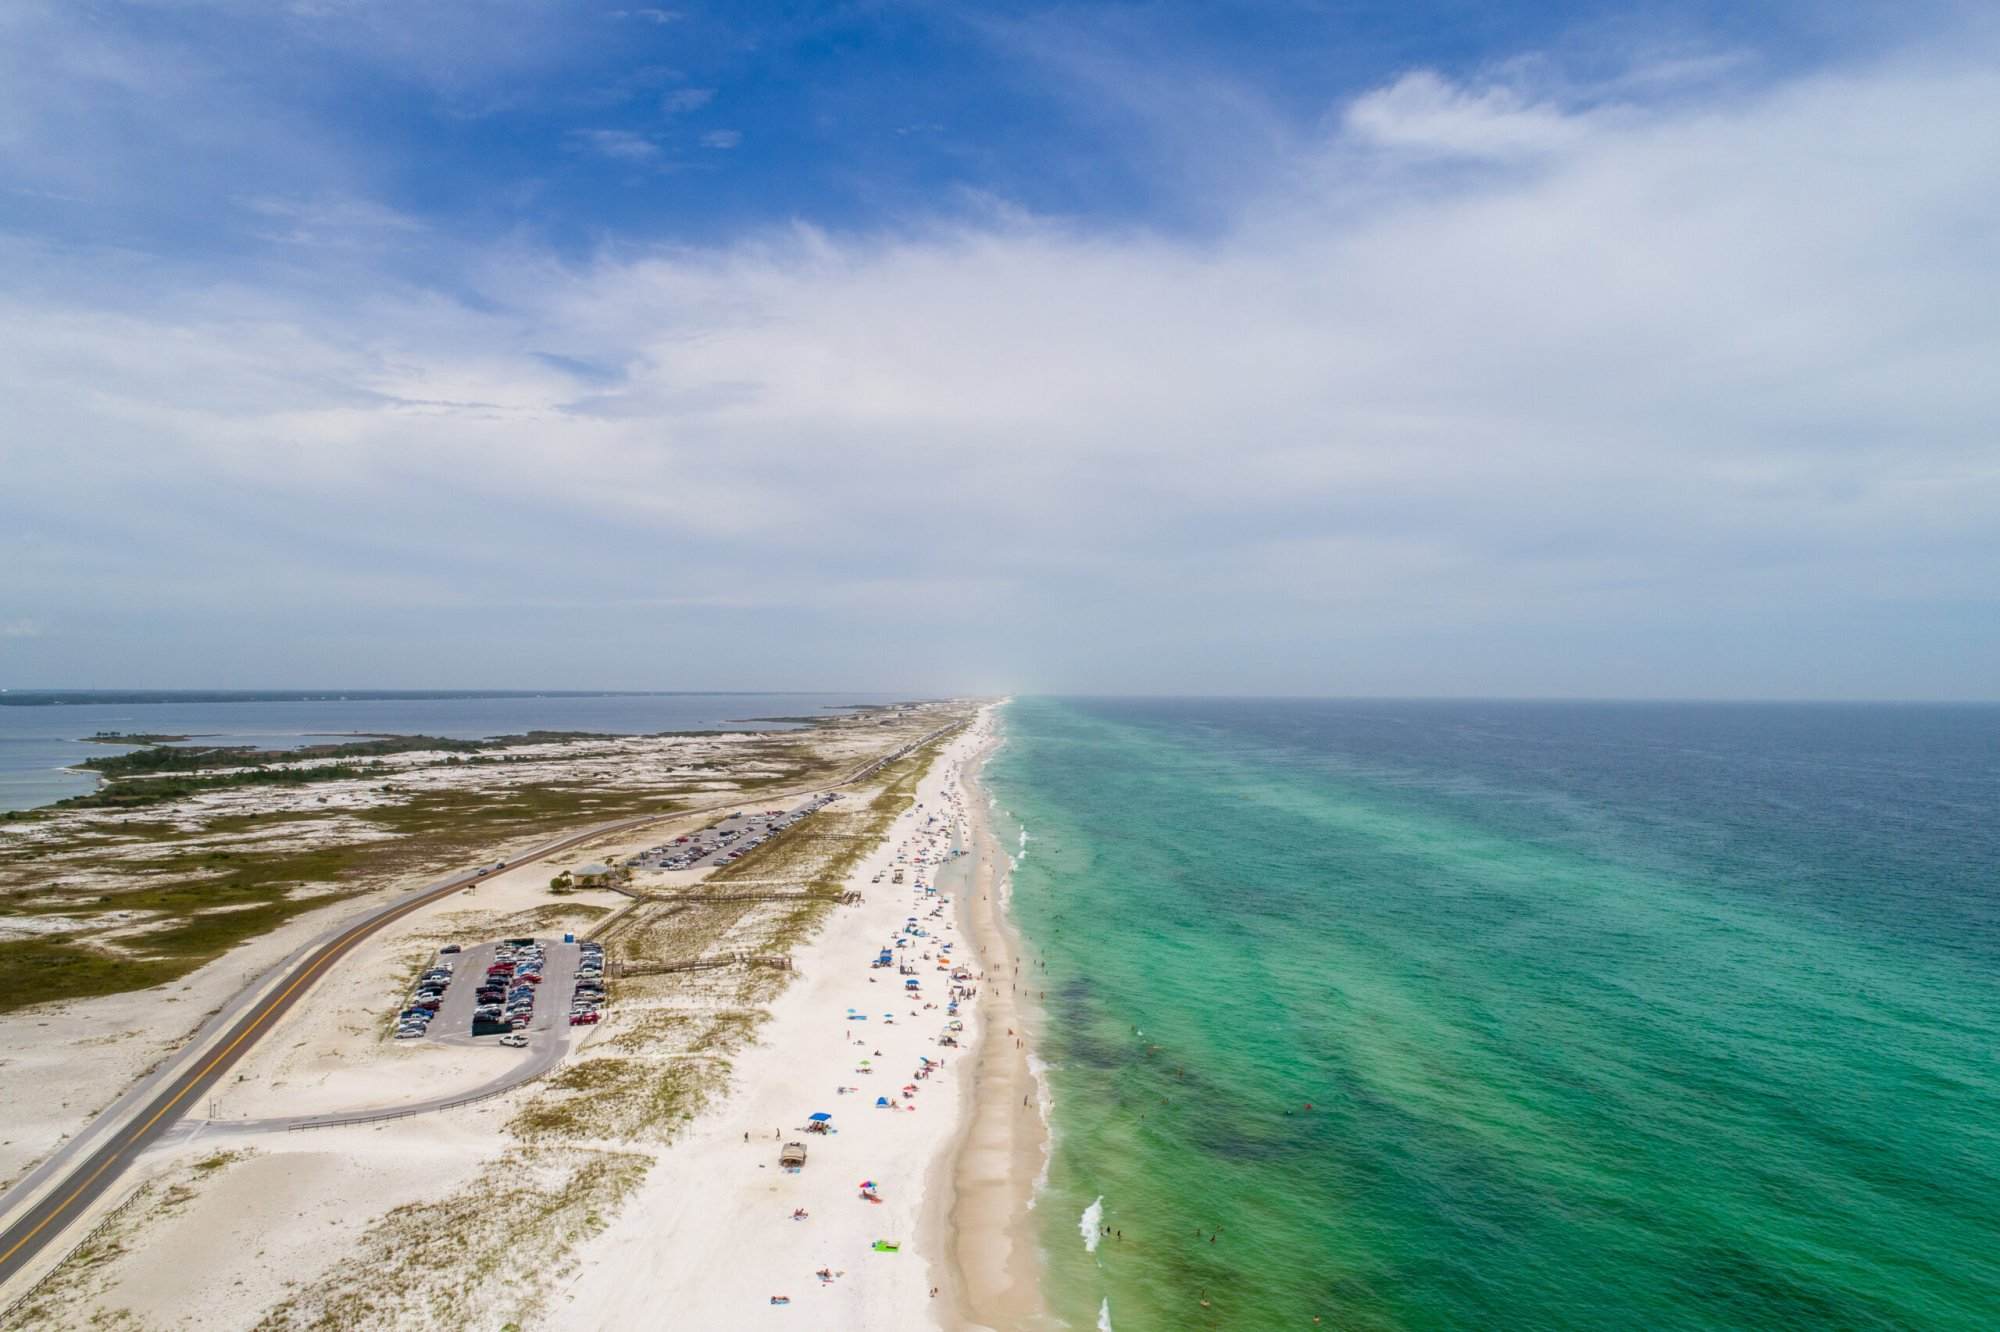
{"points": [[1091, 1224]]}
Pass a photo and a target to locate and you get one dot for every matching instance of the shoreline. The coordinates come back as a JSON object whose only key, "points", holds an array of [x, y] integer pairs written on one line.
{"points": [[993, 1265], [747, 1236]]}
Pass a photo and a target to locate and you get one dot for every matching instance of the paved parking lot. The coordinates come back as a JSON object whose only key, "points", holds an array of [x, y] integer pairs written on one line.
{"points": [[725, 838], [454, 1020]]}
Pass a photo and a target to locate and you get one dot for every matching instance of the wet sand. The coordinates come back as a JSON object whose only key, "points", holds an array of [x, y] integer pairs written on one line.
{"points": [[994, 1273]]}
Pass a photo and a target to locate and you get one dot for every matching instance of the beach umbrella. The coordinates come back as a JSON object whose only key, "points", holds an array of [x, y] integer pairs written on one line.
{"points": [[819, 1118]]}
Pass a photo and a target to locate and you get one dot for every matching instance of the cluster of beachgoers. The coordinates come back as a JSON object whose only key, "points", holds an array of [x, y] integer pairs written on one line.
{"points": [[825, 1190]]}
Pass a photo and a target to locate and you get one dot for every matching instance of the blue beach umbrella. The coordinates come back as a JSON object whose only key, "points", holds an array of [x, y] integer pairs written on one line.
{"points": [[819, 1118]]}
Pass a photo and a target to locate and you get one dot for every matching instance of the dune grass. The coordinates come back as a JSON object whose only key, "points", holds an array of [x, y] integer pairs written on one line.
{"points": [[183, 877]]}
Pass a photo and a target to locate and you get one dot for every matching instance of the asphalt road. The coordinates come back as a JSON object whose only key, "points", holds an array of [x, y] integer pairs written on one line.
{"points": [[182, 1089], [182, 1081]]}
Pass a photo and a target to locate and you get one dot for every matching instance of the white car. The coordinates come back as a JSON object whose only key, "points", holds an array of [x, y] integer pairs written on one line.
{"points": [[514, 1039]]}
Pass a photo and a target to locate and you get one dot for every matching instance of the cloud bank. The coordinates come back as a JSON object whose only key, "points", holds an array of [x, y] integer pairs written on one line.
{"points": [[1487, 388]]}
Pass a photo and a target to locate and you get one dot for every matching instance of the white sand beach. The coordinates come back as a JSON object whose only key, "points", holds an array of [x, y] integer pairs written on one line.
{"points": [[710, 1239]]}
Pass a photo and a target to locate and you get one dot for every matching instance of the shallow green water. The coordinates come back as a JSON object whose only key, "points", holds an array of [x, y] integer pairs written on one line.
{"points": [[1608, 1018]]}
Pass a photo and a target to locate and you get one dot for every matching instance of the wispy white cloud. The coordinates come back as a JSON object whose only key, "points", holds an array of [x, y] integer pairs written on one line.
{"points": [[617, 144], [335, 221], [722, 138], [1686, 391], [1424, 112], [21, 629], [682, 100]]}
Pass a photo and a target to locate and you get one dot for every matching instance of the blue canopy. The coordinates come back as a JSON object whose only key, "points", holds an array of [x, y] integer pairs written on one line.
{"points": [[881, 1100], [820, 1118]]}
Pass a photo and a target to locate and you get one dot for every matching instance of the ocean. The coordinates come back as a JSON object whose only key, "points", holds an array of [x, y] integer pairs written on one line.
{"points": [[39, 743], [1381, 1015]]}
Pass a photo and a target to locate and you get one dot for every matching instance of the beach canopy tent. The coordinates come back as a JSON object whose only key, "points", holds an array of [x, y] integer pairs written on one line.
{"points": [[820, 1117], [881, 1101]]}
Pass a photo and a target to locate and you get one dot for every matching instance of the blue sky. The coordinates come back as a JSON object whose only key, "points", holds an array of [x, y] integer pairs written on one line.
{"points": [[588, 123], [1297, 347]]}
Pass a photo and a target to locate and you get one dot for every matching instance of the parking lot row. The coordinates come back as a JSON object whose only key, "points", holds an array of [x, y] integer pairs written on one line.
{"points": [[727, 839], [503, 989]]}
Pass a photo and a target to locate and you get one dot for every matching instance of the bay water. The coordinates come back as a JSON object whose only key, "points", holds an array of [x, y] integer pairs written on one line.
{"points": [[1513, 1015], [40, 744]]}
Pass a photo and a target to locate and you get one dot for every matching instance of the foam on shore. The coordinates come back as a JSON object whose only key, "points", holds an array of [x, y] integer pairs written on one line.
{"points": [[1001, 1156]]}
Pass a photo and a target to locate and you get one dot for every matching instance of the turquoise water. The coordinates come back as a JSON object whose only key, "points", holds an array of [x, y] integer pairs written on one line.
{"points": [[1609, 1016]]}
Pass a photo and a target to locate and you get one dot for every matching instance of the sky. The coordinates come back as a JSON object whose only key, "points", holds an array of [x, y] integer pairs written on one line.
{"points": [[1334, 347]]}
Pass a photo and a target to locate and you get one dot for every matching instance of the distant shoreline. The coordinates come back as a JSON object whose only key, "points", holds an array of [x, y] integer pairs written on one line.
{"points": [[59, 699], [45, 733]]}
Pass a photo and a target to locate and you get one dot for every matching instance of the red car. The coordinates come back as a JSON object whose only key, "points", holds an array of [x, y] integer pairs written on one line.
{"points": [[582, 1019]]}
